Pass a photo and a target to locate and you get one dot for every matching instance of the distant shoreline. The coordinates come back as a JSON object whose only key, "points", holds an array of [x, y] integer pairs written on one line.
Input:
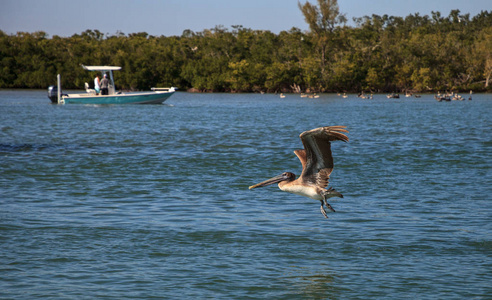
{"points": [[352, 94]]}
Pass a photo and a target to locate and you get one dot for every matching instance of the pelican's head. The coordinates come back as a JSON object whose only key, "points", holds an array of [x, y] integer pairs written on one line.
{"points": [[286, 176]]}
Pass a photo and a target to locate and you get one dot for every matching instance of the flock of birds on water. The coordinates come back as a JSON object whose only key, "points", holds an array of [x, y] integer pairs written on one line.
{"points": [[439, 97]]}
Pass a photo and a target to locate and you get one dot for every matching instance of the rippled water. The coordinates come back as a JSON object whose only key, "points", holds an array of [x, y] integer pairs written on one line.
{"points": [[145, 202]]}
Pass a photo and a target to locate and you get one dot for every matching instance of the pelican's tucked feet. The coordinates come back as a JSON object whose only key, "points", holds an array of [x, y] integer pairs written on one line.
{"points": [[329, 193], [329, 206], [323, 211]]}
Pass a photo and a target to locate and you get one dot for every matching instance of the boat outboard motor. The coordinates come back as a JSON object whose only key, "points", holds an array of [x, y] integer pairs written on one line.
{"points": [[53, 93]]}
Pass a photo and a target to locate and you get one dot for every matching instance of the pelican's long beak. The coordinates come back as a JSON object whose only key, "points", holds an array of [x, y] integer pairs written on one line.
{"points": [[273, 180]]}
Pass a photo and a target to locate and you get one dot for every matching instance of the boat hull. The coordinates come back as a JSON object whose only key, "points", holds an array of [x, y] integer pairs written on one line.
{"points": [[131, 98]]}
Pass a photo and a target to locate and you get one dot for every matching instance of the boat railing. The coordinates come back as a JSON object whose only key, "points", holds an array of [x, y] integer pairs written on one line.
{"points": [[163, 89]]}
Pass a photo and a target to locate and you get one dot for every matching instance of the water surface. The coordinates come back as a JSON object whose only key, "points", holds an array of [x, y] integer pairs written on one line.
{"points": [[152, 201]]}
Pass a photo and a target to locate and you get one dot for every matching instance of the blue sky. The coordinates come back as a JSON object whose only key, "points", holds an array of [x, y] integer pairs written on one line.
{"points": [[172, 17]]}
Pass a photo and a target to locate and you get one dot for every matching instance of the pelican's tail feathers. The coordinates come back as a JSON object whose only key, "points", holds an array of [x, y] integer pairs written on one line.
{"points": [[331, 192]]}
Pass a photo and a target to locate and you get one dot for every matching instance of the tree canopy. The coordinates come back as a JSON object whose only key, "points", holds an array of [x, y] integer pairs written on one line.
{"points": [[379, 53]]}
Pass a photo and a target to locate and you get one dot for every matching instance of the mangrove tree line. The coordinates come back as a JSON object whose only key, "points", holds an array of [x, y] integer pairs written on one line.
{"points": [[378, 53]]}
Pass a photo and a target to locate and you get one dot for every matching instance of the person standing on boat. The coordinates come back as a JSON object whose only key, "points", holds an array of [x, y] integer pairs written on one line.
{"points": [[104, 85], [97, 85]]}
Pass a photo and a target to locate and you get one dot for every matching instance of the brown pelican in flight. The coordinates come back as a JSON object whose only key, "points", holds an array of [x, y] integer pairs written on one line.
{"points": [[317, 165]]}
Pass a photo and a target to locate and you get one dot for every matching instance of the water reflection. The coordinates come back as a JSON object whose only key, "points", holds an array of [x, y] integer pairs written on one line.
{"points": [[320, 285]]}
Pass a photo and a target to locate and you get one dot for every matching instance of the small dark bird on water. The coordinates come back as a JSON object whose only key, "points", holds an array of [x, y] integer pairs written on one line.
{"points": [[317, 165]]}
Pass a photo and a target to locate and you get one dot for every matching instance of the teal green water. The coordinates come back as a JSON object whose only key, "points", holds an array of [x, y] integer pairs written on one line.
{"points": [[150, 202]]}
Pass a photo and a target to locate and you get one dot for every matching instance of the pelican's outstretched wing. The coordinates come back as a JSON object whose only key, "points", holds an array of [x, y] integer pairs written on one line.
{"points": [[316, 158]]}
